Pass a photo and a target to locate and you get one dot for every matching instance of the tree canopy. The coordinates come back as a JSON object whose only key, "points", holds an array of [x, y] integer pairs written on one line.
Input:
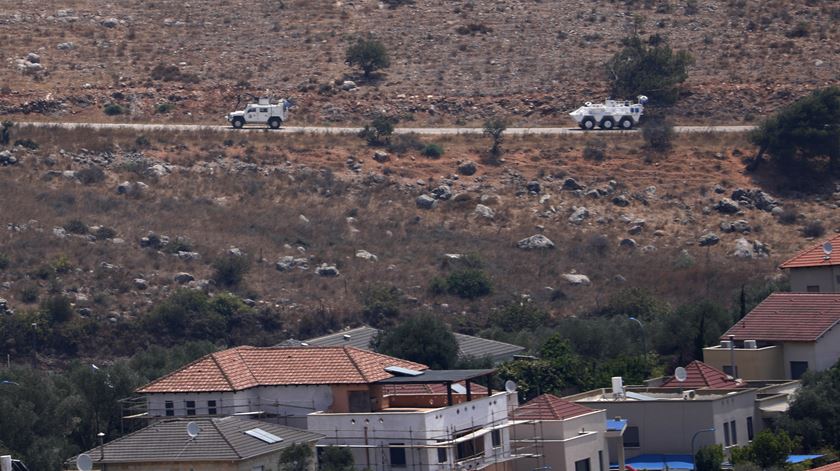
{"points": [[804, 134], [423, 338], [369, 54], [655, 71], [815, 413]]}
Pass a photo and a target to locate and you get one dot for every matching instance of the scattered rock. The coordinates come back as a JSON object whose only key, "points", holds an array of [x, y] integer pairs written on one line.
{"points": [[579, 215], [288, 262], [110, 22], [727, 206], [186, 255], [303, 219], [425, 202], [484, 211], [576, 279], [140, 283], [635, 229], [709, 239], [490, 199], [348, 85], [533, 186], [33, 58], [740, 226], [184, 277], [467, 168], [621, 201], [327, 270], [442, 192], [6, 158], [235, 252], [755, 198], [747, 249], [65, 46], [628, 243], [59, 232], [381, 156], [571, 184], [537, 241], [365, 255]]}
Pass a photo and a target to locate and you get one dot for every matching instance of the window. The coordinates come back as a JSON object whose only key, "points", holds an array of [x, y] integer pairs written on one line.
{"points": [[169, 407], [359, 401], [600, 460], [211, 407], [726, 434], [734, 432], [728, 370], [496, 438], [749, 429], [582, 465], [813, 288], [797, 369], [631, 437], [469, 448], [190, 407], [263, 110], [442, 455], [397, 455], [251, 110], [837, 279]]}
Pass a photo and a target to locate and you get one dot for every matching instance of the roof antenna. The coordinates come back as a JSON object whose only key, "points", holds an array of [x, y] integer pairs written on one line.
{"points": [[827, 249]]}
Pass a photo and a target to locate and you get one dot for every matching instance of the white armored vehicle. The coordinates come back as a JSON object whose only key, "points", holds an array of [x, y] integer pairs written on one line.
{"points": [[611, 114], [265, 111]]}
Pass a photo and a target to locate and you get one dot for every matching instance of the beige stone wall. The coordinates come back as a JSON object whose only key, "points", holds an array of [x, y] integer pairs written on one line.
{"points": [[753, 364], [173, 466], [824, 277]]}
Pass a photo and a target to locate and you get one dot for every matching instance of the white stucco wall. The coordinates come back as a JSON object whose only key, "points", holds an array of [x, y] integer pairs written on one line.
{"points": [[562, 443], [423, 426]]}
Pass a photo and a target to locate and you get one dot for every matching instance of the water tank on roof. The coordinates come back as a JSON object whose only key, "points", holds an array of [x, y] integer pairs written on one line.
{"points": [[617, 386], [751, 344], [725, 344]]}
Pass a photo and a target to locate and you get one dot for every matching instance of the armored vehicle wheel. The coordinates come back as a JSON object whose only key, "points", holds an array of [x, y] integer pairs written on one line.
{"points": [[274, 123], [238, 123], [607, 123], [588, 123], [626, 123]]}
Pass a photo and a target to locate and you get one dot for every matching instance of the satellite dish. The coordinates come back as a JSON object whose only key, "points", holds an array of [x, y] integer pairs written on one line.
{"points": [[680, 374], [192, 429], [84, 462], [827, 248], [510, 386]]}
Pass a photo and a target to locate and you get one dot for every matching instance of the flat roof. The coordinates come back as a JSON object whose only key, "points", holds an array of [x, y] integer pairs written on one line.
{"points": [[642, 394], [438, 376]]}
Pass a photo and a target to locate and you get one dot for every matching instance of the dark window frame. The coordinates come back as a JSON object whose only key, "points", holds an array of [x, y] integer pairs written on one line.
{"points": [[750, 430], [734, 433], [812, 289], [726, 440], [190, 407], [169, 408], [629, 434], [397, 456], [211, 407], [496, 438], [583, 465], [792, 369]]}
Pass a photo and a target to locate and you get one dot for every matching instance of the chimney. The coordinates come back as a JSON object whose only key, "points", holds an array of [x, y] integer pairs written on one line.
{"points": [[732, 356]]}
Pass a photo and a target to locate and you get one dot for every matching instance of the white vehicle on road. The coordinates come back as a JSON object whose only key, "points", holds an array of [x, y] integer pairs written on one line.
{"points": [[612, 114], [265, 111]]}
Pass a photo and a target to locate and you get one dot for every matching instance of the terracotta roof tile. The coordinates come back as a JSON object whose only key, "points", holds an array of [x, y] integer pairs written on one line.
{"points": [[549, 407], [700, 375], [814, 256], [829, 467], [792, 317], [245, 367]]}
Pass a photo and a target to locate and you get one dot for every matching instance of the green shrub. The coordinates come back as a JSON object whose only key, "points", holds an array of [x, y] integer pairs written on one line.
{"points": [[27, 143], [654, 71], [788, 216], [58, 309], [813, 228], [171, 73], [61, 264], [91, 175], [519, 315], [163, 108], [368, 54], [29, 294], [380, 304], [595, 150], [104, 233], [658, 132], [295, 457], [379, 131], [709, 458], [4, 261], [230, 270], [334, 458], [433, 150], [467, 283], [495, 128], [75, 226], [113, 109]]}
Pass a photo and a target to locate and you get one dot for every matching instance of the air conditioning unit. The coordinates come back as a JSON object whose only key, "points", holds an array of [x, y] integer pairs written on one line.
{"points": [[725, 344], [750, 344], [689, 395]]}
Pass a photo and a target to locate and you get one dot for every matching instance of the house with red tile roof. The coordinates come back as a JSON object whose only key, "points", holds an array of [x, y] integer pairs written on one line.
{"points": [[700, 375], [552, 433], [784, 336], [816, 269], [389, 412]]}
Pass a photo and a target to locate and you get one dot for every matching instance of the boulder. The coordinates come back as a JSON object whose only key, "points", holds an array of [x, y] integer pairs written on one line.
{"points": [[110, 22], [635, 229], [140, 283], [184, 277], [571, 184], [490, 199], [727, 206], [381, 156], [326, 270], [288, 263], [442, 192], [348, 85], [628, 243], [33, 58], [425, 202], [187, 255], [709, 239], [6, 158], [537, 241], [467, 168], [65, 46], [365, 255], [484, 211], [743, 249], [533, 186], [621, 201], [579, 215], [576, 279]]}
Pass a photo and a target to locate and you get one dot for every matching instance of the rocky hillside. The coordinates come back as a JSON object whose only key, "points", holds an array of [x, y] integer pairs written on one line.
{"points": [[116, 223], [451, 62]]}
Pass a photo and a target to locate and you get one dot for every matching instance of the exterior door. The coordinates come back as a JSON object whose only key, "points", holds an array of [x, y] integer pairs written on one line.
{"points": [[797, 369]]}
